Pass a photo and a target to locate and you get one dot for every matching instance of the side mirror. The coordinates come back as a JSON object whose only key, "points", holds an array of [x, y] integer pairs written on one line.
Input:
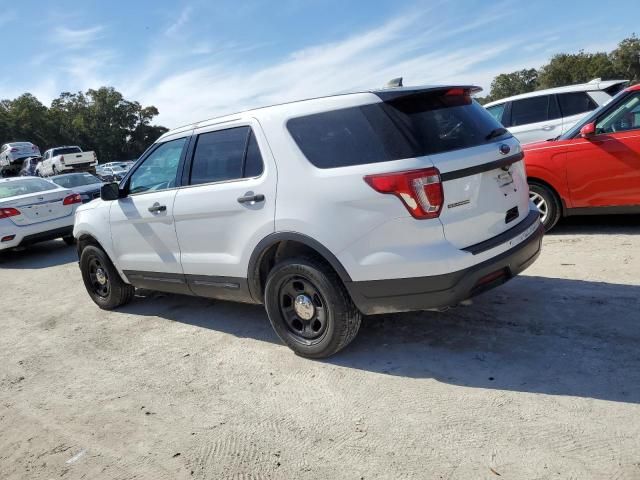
{"points": [[589, 130], [110, 191]]}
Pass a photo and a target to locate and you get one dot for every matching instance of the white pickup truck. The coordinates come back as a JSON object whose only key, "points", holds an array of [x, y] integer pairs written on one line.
{"points": [[64, 159]]}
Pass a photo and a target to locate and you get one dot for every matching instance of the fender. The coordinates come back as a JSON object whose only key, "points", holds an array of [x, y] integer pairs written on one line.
{"points": [[253, 275]]}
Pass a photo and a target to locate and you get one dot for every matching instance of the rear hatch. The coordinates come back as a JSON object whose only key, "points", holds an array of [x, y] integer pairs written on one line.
{"points": [[480, 163], [41, 203]]}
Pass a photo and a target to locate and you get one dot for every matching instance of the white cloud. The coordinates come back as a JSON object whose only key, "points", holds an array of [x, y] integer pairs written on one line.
{"points": [[401, 47], [182, 19], [76, 38]]}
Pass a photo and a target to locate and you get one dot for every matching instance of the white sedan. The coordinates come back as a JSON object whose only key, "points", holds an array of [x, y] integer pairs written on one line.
{"points": [[34, 210]]}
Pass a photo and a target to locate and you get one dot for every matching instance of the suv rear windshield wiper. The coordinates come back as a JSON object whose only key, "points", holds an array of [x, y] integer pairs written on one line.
{"points": [[496, 132]]}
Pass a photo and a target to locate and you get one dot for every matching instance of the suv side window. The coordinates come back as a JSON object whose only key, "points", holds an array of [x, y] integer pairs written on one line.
{"points": [[225, 155], [575, 103], [532, 110], [496, 111], [159, 170]]}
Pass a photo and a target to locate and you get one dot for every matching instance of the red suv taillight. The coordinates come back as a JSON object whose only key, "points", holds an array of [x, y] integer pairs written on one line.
{"points": [[8, 212], [420, 190], [71, 199]]}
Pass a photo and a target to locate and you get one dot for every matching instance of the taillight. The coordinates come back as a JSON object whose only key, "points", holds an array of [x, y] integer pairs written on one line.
{"points": [[95, 157], [420, 190], [61, 159], [8, 212], [71, 199], [14, 149], [33, 147]]}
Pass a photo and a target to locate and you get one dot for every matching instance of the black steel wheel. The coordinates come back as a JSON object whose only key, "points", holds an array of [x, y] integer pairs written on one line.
{"points": [[102, 281], [309, 307]]}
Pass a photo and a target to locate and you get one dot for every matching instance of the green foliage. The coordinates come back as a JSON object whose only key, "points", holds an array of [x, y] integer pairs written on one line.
{"points": [[623, 63], [567, 69], [101, 120], [626, 58]]}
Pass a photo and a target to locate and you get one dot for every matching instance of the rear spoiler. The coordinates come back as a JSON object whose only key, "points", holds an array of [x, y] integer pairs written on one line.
{"points": [[390, 94]]}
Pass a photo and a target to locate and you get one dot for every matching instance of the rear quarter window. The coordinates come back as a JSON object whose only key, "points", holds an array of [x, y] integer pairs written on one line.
{"points": [[575, 103], [411, 126]]}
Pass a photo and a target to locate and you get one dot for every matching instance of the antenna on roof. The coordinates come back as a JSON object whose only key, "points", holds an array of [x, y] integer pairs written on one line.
{"points": [[396, 82]]}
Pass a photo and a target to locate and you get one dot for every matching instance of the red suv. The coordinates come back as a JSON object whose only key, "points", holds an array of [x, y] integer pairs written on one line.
{"points": [[594, 168]]}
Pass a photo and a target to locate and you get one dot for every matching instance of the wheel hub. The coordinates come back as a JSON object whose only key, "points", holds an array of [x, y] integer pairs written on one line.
{"points": [[101, 277], [303, 307]]}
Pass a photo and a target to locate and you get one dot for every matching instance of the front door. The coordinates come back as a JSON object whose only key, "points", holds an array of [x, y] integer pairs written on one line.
{"points": [[604, 170], [226, 207], [142, 224]]}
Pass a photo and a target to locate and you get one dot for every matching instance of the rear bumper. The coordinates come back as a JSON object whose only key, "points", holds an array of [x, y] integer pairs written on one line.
{"points": [[439, 291], [39, 232]]}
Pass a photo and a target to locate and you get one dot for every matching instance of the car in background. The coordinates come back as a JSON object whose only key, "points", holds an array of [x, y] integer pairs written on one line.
{"points": [[544, 114], [87, 185], [12, 155], [64, 159], [594, 168], [111, 173], [30, 167], [33, 210]]}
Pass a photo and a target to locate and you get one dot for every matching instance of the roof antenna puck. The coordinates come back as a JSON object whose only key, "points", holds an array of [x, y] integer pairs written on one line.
{"points": [[396, 82]]}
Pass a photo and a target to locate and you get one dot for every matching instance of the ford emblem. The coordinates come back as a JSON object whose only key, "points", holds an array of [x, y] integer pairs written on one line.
{"points": [[505, 149]]}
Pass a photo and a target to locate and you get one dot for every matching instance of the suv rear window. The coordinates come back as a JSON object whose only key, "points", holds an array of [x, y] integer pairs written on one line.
{"points": [[410, 126], [575, 102]]}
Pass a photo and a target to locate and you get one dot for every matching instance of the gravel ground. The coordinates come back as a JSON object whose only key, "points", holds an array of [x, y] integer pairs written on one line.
{"points": [[537, 379]]}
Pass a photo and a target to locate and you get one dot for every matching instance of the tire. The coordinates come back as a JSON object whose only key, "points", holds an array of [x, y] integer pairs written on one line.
{"points": [[324, 321], [54, 171], [113, 292], [547, 202], [69, 240]]}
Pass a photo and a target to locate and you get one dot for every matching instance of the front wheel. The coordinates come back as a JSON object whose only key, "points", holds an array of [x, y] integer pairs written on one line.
{"points": [[309, 308], [102, 281], [547, 202]]}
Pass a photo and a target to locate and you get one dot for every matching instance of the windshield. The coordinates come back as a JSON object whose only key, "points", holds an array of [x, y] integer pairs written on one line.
{"points": [[76, 180], [24, 187], [575, 130], [415, 125]]}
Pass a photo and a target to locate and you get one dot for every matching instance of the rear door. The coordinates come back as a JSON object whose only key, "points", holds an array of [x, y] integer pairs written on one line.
{"points": [[142, 225], [535, 119], [226, 206]]}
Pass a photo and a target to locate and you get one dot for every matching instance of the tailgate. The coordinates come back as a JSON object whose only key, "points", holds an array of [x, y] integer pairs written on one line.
{"points": [[485, 192], [76, 158]]}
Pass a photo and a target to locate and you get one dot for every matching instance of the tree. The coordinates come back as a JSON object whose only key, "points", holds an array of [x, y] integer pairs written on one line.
{"points": [[514, 83], [568, 69], [101, 120], [626, 58]]}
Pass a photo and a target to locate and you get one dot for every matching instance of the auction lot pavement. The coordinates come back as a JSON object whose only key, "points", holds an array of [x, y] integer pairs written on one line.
{"points": [[537, 379]]}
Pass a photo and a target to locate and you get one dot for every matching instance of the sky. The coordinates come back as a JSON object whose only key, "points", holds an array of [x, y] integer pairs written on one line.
{"points": [[202, 58]]}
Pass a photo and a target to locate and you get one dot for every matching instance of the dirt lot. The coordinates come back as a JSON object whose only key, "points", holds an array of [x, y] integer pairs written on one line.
{"points": [[537, 379]]}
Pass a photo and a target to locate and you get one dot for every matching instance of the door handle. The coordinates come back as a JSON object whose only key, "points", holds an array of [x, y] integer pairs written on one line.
{"points": [[251, 198], [156, 207], [546, 128]]}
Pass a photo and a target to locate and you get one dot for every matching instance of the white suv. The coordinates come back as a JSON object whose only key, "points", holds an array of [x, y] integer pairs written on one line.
{"points": [[324, 209], [545, 114]]}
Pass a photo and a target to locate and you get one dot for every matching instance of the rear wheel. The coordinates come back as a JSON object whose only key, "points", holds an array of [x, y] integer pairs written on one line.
{"points": [[309, 308], [547, 202], [102, 281]]}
